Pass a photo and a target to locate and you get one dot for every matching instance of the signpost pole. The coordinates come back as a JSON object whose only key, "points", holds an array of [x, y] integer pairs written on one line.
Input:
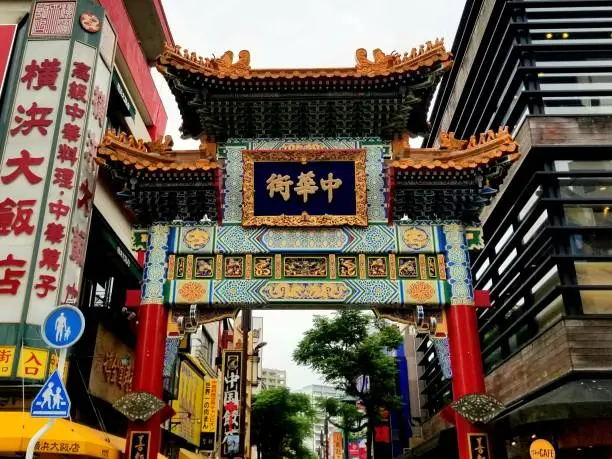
{"points": [[44, 429]]}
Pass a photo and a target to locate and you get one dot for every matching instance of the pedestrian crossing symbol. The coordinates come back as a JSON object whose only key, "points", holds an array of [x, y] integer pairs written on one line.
{"points": [[52, 401]]}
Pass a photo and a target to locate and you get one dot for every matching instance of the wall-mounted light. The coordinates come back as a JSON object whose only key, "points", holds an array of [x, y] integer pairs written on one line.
{"points": [[549, 35], [565, 35]]}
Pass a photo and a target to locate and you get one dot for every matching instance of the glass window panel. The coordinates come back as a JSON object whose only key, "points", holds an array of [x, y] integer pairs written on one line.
{"points": [[550, 314], [518, 339], [565, 166], [492, 359], [483, 268], [530, 203], [506, 236], [585, 188], [507, 261], [535, 228], [591, 244], [588, 215], [549, 281], [577, 105], [596, 301], [515, 309], [593, 272]]}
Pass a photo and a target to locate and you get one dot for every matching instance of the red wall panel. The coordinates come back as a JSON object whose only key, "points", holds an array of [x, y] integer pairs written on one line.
{"points": [[130, 48]]}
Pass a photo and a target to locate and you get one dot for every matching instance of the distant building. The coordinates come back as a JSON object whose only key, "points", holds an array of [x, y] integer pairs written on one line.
{"points": [[317, 392], [271, 378]]}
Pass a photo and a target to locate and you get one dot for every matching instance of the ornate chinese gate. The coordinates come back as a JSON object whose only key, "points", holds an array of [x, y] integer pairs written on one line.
{"points": [[305, 194]]}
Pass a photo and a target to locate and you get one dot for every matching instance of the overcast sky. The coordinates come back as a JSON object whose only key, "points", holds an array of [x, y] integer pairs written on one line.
{"points": [[307, 33]]}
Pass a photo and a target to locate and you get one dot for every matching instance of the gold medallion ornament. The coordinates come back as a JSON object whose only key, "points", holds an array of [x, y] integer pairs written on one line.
{"points": [[192, 291], [415, 238], [196, 238], [421, 291]]}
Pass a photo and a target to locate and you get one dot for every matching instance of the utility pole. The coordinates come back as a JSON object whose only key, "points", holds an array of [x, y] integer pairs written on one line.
{"points": [[326, 433]]}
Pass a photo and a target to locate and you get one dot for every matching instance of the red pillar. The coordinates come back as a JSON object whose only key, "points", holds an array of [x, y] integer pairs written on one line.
{"points": [[466, 364], [149, 368]]}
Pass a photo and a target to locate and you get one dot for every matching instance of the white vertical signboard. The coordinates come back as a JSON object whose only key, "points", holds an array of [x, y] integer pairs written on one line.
{"points": [[63, 186], [26, 159], [88, 173]]}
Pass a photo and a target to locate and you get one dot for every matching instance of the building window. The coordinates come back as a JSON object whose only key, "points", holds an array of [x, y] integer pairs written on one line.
{"points": [[586, 188], [482, 269], [505, 238], [507, 261], [595, 273], [549, 281], [591, 244], [535, 228], [598, 166], [550, 314], [530, 203], [203, 347], [588, 215]]}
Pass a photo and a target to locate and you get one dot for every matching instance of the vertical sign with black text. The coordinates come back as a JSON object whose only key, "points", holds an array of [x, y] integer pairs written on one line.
{"points": [[230, 420]]}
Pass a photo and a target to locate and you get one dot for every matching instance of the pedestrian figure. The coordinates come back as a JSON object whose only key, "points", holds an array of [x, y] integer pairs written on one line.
{"points": [[57, 399], [47, 394], [60, 328]]}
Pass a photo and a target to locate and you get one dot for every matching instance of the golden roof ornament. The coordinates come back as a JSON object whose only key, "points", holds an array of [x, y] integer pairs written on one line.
{"points": [[426, 55]]}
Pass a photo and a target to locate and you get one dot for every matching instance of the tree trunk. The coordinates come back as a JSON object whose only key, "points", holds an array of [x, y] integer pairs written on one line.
{"points": [[370, 437]]}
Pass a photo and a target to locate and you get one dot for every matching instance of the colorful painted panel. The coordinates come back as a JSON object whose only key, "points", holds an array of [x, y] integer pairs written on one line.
{"points": [[458, 269], [377, 238], [324, 266], [155, 267], [360, 293]]}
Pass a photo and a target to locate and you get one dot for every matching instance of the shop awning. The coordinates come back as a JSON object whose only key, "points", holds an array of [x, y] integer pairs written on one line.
{"points": [[580, 399], [65, 437]]}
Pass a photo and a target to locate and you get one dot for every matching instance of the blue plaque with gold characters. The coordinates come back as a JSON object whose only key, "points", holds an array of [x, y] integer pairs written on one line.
{"points": [[304, 188]]}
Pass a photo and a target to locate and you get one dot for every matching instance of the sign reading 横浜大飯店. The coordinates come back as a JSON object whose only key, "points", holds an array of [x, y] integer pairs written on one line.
{"points": [[48, 148], [304, 187]]}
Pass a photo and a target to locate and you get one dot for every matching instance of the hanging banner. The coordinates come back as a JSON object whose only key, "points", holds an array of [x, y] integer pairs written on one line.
{"points": [[209, 415], [230, 420], [188, 406]]}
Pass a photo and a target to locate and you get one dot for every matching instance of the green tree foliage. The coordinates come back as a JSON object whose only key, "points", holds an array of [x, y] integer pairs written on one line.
{"points": [[280, 422], [348, 345], [342, 414]]}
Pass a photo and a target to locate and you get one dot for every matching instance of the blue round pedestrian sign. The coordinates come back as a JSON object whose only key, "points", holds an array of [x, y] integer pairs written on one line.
{"points": [[63, 327]]}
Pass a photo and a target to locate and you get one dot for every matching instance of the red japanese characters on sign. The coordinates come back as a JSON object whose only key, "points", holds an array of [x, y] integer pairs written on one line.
{"points": [[58, 244], [26, 159], [88, 169]]}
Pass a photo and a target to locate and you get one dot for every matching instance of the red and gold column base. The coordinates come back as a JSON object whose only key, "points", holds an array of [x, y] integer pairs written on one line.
{"points": [[468, 377], [144, 438]]}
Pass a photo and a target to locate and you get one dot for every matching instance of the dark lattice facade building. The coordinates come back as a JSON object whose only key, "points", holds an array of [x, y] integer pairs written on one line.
{"points": [[544, 69]]}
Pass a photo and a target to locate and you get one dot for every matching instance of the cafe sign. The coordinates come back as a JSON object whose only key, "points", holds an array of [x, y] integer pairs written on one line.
{"points": [[304, 188]]}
